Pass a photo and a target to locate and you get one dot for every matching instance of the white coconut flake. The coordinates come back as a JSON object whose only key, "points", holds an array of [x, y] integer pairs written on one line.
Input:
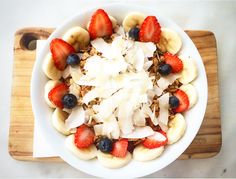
{"points": [[98, 92], [76, 118], [101, 67], [139, 118], [125, 113], [74, 89], [164, 109], [147, 65], [120, 31], [111, 127], [158, 91], [101, 46], [163, 126], [148, 48], [139, 133], [164, 82], [98, 129], [147, 111], [76, 73]]}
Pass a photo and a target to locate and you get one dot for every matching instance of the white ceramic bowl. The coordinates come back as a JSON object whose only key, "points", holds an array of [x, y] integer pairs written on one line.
{"points": [[42, 112]]}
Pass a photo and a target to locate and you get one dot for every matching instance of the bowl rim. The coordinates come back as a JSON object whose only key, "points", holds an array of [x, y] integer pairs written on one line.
{"points": [[37, 111]]}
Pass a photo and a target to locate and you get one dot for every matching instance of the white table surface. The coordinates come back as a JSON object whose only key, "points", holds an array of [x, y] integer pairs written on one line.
{"points": [[216, 16]]}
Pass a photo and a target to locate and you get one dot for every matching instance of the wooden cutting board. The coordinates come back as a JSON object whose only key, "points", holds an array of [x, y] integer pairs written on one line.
{"points": [[206, 144]]}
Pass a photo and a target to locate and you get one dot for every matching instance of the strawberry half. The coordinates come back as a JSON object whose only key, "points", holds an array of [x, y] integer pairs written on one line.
{"points": [[183, 101], [100, 25], [56, 94], [156, 140], [60, 51], [84, 136], [175, 63], [120, 148], [150, 30]]}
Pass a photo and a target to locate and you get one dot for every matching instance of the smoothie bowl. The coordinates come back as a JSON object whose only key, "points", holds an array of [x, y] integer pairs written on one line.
{"points": [[118, 88]]}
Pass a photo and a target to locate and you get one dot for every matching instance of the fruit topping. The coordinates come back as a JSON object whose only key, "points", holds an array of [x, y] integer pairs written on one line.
{"points": [[60, 51], [69, 101], [134, 33], [56, 94], [150, 30], [164, 69], [183, 101], [105, 145], [100, 25], [174, 102], [174, 61], [156, 140], [120, 148], [84, 136], [73, 59]]}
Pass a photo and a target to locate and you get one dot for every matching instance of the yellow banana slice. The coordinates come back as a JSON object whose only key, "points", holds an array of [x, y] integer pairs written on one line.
{"points": [[176, 129], [170, 41], [58, 121], [110, 161], [77, 37], [49, 68], [133, 19], [144, 154], [85, 153], [189, 72], [47, 88], [191, 92]]}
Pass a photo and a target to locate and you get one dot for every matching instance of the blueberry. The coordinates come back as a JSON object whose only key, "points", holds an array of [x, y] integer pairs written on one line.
{"points": [[134, 33], [73, 59], [165, 69], [105, 145], [174, 102], [69, 101]]}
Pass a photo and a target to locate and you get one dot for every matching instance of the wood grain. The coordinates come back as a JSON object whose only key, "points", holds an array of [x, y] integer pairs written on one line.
{"points": [[206, 144]]}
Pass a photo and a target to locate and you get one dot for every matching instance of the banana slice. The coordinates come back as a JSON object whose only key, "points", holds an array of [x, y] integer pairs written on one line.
{"points": [[58, 121], [77, 37], [47, 88], [84, 154], [110, 161], [189, 72], [113, 21], [133, 19], [144, 154], [176, 129], [170, 41], [49, 68], [191, 91]]}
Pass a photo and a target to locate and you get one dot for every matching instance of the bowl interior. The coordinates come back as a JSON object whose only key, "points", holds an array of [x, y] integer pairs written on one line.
{"points": [[42, 112]]}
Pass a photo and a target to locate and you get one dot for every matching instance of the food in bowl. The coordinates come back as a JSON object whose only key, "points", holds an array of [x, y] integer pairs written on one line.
{"points": [[119, 91]]}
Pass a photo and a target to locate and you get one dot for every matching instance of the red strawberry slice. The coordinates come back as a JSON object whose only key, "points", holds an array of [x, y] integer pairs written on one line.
{"points": [[156, 140], [100, 25], [150, 30], [60, 51], [183, 101], [120, 148], [56, 94], [175, 63], [84, 136]]}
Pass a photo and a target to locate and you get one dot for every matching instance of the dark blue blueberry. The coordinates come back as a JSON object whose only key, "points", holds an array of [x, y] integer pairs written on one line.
{"points": [[165, 69], [69, 101], [174, 102], [134, 33], [105, 145], [73, 59]]}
